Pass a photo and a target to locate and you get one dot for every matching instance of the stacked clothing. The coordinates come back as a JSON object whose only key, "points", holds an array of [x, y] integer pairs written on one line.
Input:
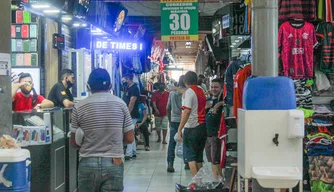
{"points": [[303, 93], [319, 146]]}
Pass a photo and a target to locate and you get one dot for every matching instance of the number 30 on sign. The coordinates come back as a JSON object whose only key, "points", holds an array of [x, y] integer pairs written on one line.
{"points": [[179, 20]]}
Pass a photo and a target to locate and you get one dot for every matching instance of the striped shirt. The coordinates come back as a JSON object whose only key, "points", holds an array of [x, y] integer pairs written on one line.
{"points": [[297, 9], [104, 118]]}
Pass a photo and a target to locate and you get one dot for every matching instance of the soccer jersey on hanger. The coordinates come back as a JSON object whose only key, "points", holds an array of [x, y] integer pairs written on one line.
{"points": [[296, 42], [297, 9], [325, 37]]}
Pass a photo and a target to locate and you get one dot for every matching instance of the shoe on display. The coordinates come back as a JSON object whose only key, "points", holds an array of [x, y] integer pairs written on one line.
{"points": [[127, 158], [170, 168], [186, 167]]}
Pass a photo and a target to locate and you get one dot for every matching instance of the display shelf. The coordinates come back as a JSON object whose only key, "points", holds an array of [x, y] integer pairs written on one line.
{"points": [[37, 67]]}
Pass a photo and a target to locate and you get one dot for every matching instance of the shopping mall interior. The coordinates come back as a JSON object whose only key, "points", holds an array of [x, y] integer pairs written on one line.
{"points": [[167, 95]]}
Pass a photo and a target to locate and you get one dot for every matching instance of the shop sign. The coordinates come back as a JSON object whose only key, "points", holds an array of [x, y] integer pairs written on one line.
{"points": [[179, 20], [111, 45], [226, 21]]}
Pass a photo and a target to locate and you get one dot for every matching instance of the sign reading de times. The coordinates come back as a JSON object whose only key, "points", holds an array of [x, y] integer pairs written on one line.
{"points": [[179, 20]]}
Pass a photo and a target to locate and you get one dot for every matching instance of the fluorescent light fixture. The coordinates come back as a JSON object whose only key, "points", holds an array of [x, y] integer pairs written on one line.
{"points": [[239, 48], [240, 37], [51, 11], [66, 18], [105, 37], [84, 25], [232, 46], [237, 41], [38, 6], [76, 24]]}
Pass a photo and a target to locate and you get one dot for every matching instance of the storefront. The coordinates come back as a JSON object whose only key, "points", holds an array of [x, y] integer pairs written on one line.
{"points": [[305, 56]]}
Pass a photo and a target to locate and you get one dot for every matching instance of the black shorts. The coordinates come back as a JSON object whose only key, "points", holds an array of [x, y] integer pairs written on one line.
{"points": [[212, 150], [194, 143]]}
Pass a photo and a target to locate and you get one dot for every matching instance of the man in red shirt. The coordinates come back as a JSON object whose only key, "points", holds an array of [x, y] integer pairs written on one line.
{"points": [[24, 101], [160, 100]]}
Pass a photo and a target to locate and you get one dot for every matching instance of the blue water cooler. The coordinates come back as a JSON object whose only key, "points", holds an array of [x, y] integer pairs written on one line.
{"points": [[15, 170], [270, 133]]}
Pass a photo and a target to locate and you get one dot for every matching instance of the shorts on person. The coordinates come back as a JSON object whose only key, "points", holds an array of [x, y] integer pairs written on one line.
{"points": [[212, 150], [161, 123], [194, 140]]}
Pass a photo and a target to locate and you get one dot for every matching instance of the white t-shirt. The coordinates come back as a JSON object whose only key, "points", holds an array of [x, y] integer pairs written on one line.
{"points": [[194, 99]]}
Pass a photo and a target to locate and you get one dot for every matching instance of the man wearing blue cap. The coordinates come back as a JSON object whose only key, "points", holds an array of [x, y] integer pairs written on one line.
{"points": [[106, 124]]}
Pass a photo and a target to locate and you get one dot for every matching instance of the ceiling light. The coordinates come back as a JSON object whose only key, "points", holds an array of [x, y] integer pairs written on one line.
{"points": [[51, 11], [240, 37], [105, 37], [66, 18], [232, 46], [76, 24], [239, 48], [84, 25], [40, 6], [237, 41]]}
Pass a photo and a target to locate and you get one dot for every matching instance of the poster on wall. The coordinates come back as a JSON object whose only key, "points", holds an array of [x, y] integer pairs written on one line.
{"points": [[4, 64], [179, 20], [34, 72]]}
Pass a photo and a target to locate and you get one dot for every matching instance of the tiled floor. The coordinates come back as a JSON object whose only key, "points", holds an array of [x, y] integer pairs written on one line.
{"points": [[148, 172]]}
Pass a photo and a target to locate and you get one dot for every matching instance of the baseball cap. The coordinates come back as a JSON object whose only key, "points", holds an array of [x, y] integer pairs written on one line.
{"points": [[99, 80]]}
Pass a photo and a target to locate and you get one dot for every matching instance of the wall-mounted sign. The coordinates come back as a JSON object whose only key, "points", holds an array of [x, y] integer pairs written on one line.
{"points": [[112, 45], [226, 21], [59, 41], [120, 20], [179, 20]]}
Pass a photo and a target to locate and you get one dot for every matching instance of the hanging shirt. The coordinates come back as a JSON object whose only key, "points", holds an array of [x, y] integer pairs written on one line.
{"points": [[325, 37], [194, 99], [297, 9], [296, 43], [329, 12], [230, 72], [239, 81]]}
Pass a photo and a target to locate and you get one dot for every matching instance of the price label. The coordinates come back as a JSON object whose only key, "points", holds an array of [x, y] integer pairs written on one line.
{"points": [[179, 20]]}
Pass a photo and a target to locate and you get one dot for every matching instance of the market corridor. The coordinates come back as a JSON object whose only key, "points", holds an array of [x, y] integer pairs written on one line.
{"points": [[148, 172]]}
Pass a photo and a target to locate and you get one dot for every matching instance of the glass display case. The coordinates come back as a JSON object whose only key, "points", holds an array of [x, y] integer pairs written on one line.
{"points": [[43, 133]]}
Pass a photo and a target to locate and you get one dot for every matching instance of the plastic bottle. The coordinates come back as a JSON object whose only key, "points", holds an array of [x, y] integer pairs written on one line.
{"points": [[179, 150]]}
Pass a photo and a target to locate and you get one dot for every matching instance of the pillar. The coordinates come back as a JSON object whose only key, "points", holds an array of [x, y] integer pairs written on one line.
{"points": [[5, 80], [264, 37]]}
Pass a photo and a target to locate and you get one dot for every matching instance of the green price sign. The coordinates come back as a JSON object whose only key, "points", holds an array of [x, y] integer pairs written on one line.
{"points": [[179, 20]]}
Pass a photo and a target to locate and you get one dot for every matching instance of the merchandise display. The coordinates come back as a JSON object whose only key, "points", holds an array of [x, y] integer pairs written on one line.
{"points": [[296, 41]]}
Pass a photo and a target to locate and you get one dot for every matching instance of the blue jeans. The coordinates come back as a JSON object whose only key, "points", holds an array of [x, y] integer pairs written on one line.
{"points": [[99, 174], [172, 143]]}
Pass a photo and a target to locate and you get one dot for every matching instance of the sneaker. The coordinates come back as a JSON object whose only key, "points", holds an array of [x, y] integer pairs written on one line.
{"points": [[127, 158], [186, 167], [134, 156], [147, 148], [170, 168]]}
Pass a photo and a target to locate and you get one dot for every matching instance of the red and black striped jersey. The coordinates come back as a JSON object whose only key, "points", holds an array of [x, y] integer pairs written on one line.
{"points": [[326, 39], [297, 9]]}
